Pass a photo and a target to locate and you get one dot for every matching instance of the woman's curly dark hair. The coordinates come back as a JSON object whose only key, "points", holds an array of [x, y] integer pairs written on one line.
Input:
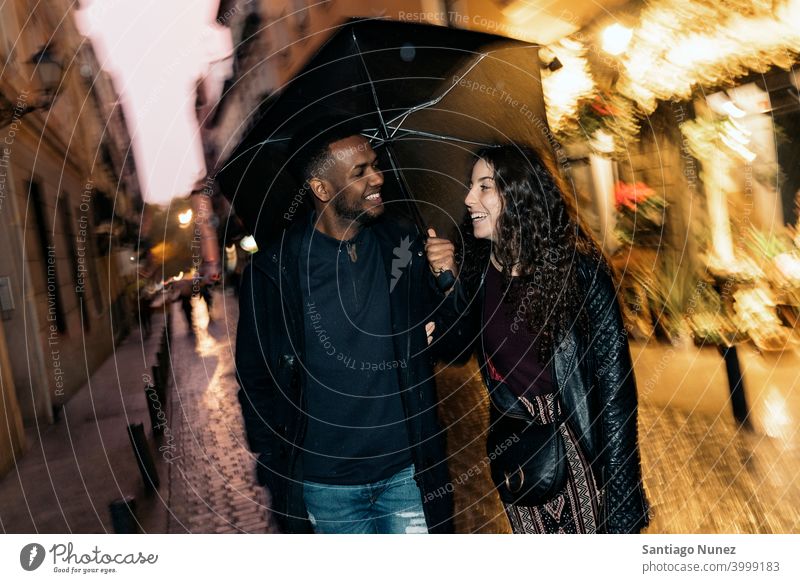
{"points": [[540, 235]]}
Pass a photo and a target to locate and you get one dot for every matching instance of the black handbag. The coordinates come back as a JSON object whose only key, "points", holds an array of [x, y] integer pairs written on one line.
{"points": [[528, 460]]}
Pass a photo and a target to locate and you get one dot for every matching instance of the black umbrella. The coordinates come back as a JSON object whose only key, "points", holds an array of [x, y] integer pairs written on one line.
{"points": [[430, 97]]}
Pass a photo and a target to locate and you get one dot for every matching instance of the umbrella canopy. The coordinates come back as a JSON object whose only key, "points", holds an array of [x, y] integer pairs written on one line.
{"points": [[429, 96]]}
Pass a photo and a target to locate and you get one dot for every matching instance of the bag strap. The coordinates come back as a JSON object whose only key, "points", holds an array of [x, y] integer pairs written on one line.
{"points": [[502, 397]]}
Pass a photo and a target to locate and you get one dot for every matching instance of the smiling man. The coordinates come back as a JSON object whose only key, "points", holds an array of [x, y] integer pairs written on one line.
{"points": [[333, 358]]}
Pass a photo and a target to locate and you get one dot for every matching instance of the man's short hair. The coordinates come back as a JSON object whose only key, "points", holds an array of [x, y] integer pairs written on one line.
{"points": [[311, 145]]}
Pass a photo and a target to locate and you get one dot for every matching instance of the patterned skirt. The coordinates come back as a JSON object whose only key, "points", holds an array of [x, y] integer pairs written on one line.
{"points": [[576, 509]]}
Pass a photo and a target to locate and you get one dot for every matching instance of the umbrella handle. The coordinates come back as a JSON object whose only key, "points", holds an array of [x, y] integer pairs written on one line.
{"points": [[445, 280]]}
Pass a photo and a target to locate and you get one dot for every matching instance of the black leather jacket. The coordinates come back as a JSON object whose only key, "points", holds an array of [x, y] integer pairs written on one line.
{"points": [[598, 394]]}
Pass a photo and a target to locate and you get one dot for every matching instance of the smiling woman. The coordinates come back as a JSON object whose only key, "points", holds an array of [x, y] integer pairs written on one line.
{"points": [[483, 201], [546, 301]]}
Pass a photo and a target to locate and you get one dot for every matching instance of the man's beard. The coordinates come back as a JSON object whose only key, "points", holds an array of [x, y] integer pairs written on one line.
{"points": [[351, 212]]}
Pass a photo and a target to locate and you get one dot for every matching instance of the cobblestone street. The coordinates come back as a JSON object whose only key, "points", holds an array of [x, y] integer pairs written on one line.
{"points": [[212, 484], [702, 473]]}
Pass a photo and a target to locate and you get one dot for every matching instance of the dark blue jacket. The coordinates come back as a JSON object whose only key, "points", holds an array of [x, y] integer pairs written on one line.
{"points": [[270, 347]]}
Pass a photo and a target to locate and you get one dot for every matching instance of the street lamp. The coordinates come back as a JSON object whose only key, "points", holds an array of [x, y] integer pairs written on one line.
{"points": [[248, 244], [48, 71], [185, 218]]}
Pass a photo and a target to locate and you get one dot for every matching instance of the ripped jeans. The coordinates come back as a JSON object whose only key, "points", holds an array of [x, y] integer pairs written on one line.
{"points": [[391, 506]]}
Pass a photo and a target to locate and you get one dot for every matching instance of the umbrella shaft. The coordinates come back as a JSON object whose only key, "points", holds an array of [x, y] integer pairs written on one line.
{"points": [[406, 192]]}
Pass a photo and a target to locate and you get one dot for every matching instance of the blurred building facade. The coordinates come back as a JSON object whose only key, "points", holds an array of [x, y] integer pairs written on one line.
{"points": [[68, 198], [273, 39]]}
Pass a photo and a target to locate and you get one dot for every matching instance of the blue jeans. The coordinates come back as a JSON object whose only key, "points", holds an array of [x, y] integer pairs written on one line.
{"points": [[391, 506]]}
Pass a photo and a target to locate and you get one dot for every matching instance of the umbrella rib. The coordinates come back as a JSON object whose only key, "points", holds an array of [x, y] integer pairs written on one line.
{"points": [[233, 159], [402, 117], [436, 136], [384, 131], [272, 141], [371, 84], [372, 134]]}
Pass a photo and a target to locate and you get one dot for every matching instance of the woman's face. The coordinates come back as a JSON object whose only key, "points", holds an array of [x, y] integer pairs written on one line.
{"points": [[484, 201]]}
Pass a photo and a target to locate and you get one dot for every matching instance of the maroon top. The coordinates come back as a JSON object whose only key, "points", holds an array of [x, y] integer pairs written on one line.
{"points": [[511, 350]]}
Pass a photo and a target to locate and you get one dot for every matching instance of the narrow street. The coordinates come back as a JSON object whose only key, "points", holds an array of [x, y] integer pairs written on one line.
{"points": [[212, 486], [702, 474]]}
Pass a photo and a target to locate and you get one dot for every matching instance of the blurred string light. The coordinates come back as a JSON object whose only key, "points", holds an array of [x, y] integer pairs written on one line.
{"points": [[679, 45], [730, 108], [746, 154], [777, 420], [736, 131], [567, 85], [734, 135], [705, 136], [755, 309], [736, 138], [788, 265], [616, 39]]}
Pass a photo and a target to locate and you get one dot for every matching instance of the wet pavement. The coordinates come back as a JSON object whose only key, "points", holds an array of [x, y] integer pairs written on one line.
{"points": [[72, 470], [702, 473], [212, 479]]}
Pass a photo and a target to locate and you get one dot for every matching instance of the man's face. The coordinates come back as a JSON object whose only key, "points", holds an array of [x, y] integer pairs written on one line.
{"points": [[356, 180]]}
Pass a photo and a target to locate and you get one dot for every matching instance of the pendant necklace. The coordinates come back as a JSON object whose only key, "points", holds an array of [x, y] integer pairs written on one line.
{"points": [[351, 251]]}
